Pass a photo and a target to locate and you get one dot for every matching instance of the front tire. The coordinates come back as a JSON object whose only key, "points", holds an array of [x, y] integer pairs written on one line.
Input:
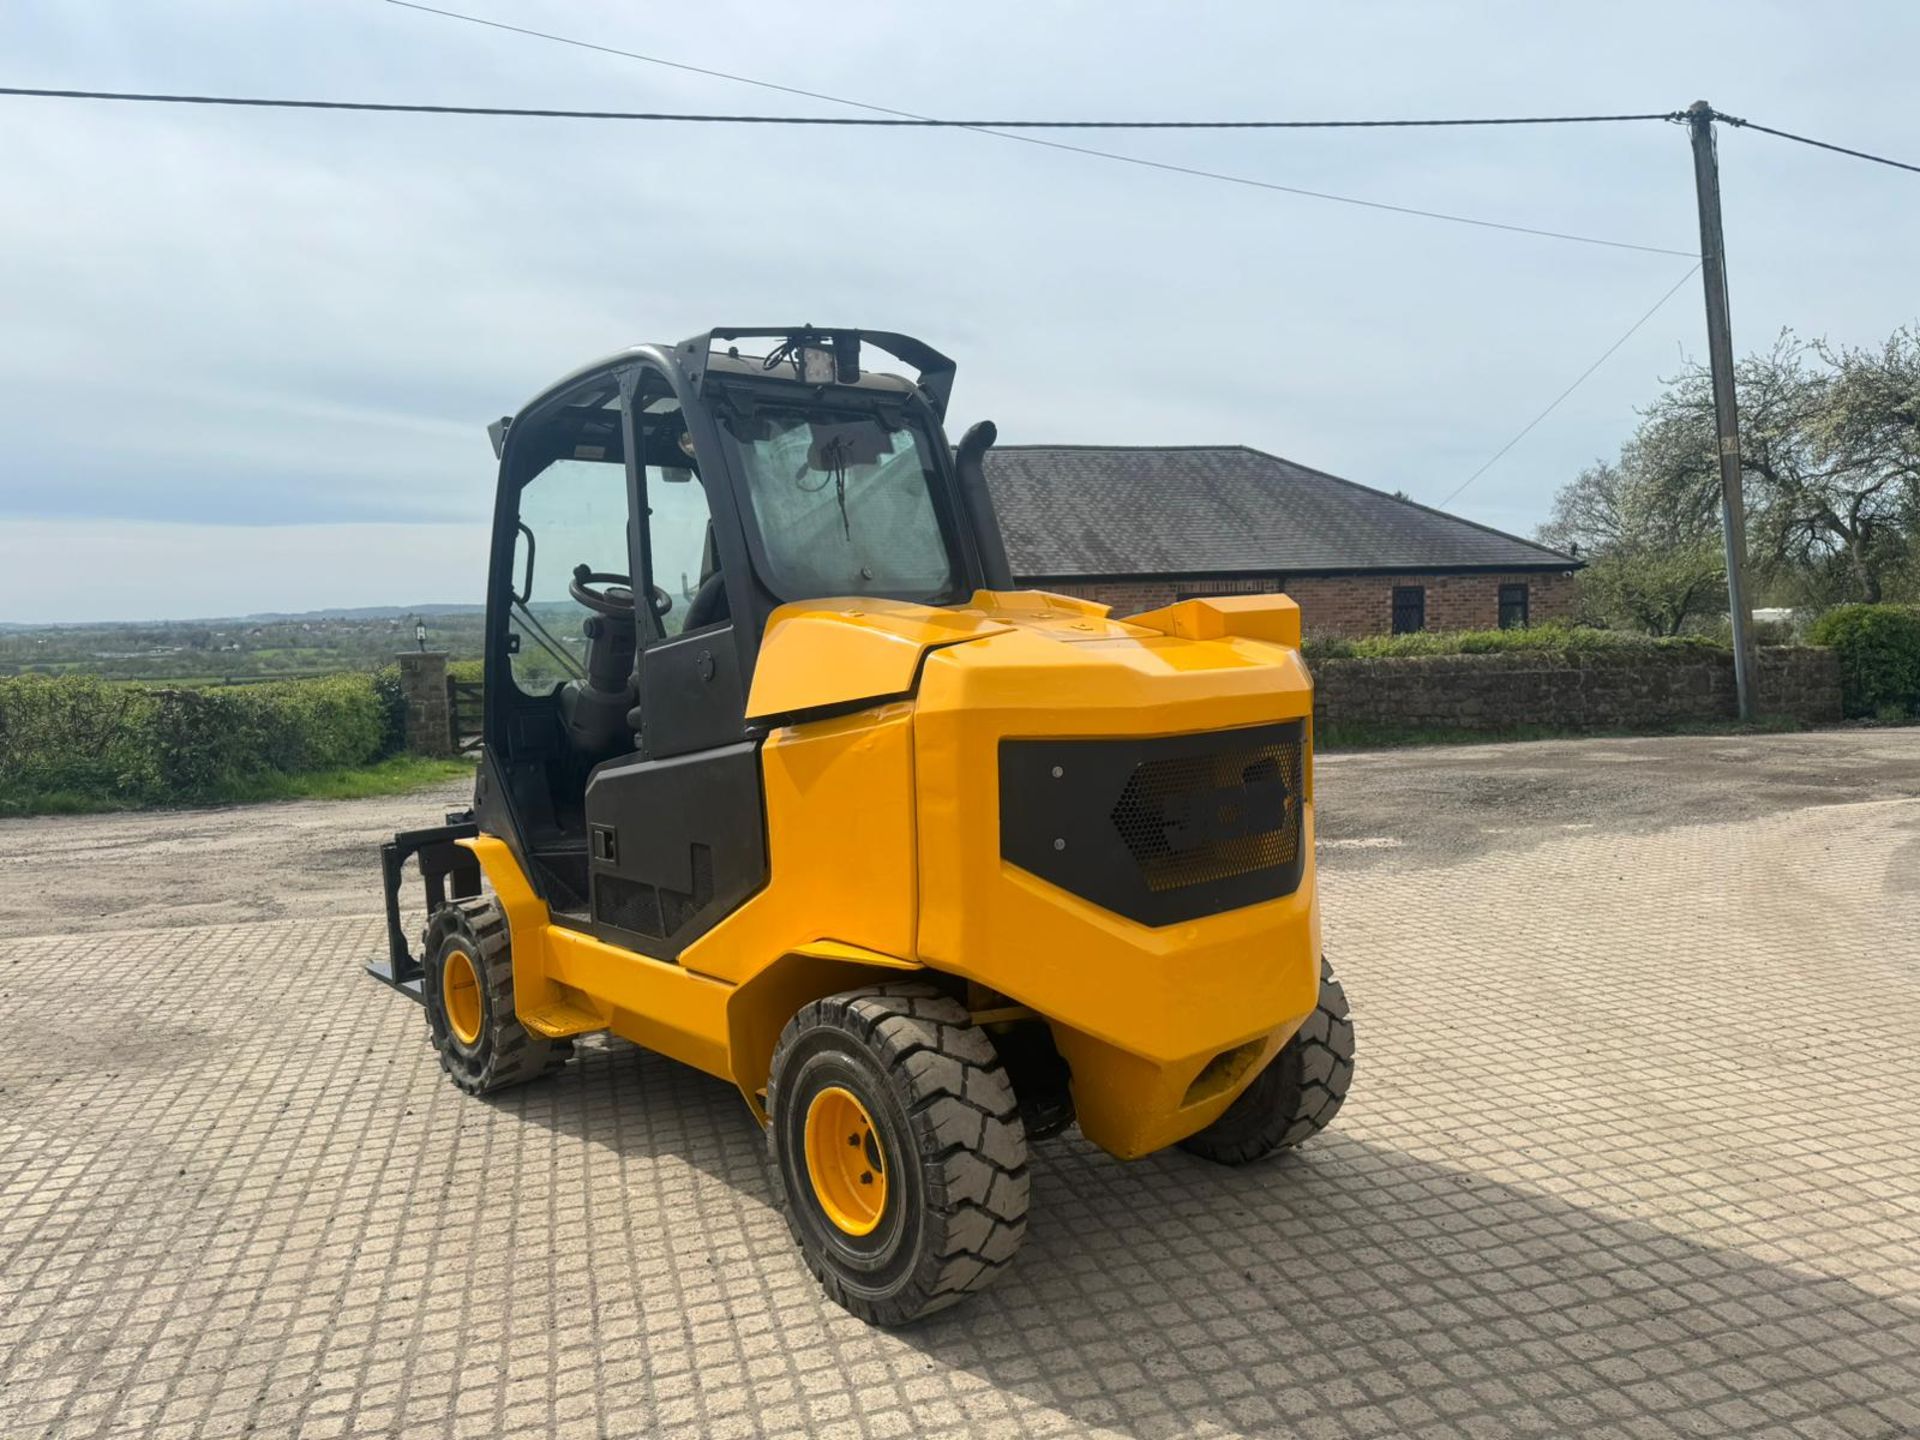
{"points": [[468, 989], [1296, 1096], [897, 1151]]}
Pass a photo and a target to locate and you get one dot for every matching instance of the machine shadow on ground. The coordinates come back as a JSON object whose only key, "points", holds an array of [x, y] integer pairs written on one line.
{"points": [[1348, 1279]]}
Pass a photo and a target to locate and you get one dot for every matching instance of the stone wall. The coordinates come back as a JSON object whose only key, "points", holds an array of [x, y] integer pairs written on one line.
{"points": [[1347, 606], [1579, 690], [423, 687]]}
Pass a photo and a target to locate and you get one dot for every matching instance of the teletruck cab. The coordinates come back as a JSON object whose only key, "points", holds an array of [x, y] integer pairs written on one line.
{"points": [[782, 777]]}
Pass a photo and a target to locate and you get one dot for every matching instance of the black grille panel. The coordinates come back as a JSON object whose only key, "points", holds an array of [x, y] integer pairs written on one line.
{"points": [[654, 910], [1159, 830], [631, 904]]}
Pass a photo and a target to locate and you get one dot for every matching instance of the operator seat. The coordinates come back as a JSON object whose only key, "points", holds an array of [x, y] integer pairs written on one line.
{"points": [[709, 605]]}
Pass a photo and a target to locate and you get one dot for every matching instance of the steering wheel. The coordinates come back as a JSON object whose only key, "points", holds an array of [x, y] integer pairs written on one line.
{"points": [[615, 597]]}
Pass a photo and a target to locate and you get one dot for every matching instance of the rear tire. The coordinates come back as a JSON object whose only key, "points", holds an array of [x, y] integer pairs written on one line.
{"points": [[1296, 1096], [468, 989], [925, 1199]]}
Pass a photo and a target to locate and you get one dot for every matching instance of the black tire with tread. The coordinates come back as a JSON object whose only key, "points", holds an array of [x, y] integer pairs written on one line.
{"points": [[1296, 1096], [505, 1051], [941, 1102]]}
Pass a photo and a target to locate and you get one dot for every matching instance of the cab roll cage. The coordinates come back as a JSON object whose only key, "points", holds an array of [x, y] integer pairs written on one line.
{"points": [[933, 371]]}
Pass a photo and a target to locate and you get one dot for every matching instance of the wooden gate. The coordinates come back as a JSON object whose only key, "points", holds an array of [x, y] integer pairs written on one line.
{"points": [[463, 714]]}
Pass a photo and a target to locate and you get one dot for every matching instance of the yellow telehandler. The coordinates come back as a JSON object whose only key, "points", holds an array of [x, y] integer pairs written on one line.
{"points": [[783, 778]]}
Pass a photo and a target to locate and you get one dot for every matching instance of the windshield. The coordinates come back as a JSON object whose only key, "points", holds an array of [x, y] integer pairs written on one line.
{"points": [[844, 503]]}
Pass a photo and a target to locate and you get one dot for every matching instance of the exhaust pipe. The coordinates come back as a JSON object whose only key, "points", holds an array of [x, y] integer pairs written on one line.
{"points": [[969, 460]]}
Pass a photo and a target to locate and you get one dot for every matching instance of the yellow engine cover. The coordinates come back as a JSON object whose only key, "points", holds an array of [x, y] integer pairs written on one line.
{"points": [[1139, 1011]]}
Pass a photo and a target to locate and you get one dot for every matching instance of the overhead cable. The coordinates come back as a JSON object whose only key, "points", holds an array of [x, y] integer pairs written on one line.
{"points": [[911, 122], [1580, 380], [1735, 121]]}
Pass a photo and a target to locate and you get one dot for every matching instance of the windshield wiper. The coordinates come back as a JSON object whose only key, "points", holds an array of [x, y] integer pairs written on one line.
{"points": [[834, 456]]}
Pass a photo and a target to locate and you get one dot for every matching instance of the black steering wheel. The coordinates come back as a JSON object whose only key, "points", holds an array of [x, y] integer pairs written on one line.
{"points": [[615, 597]]}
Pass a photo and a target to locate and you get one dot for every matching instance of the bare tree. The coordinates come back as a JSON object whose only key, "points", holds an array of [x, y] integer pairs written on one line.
{"points": [[1649, 529], [1829, 449]]}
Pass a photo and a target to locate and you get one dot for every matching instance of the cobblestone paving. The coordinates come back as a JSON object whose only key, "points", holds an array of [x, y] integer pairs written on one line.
{"points": [[1634, 1149]]}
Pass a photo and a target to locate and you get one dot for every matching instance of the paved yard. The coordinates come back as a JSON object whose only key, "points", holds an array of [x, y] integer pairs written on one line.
{"points": [[1634, 1149]]}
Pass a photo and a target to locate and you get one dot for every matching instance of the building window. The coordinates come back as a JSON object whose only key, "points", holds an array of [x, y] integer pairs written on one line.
{"points": [[1409, 609], [1513, 607]]}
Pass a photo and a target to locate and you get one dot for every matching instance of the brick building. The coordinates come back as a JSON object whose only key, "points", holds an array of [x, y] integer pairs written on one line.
{"points": [[1142, 526]]}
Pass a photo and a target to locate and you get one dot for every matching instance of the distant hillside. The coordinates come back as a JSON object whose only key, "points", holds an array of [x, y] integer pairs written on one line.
{"points": [[261, 617], [249, 647], [363, 612]]}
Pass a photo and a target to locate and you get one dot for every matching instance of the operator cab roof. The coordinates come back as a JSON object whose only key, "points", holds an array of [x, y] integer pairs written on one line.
{"points": [[692, 359]]}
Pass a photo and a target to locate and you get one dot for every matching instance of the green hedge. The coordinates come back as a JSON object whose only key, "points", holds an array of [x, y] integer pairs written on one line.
{"points": [[1879, 649], [1558, 638], [82, 739]]}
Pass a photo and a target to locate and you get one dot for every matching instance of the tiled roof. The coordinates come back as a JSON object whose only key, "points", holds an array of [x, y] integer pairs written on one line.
{"points": [[1072, 510]]}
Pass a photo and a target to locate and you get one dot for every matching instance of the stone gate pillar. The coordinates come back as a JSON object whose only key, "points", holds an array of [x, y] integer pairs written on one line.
{"points": [[423, 686]]}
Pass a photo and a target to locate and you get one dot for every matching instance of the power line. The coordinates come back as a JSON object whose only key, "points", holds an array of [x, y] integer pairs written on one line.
{"points": [[1027, 124], [911, 122], [579, 44], [983, 127], [1112, 155], [1605, 355], [1304, 124], [1817, 144]]}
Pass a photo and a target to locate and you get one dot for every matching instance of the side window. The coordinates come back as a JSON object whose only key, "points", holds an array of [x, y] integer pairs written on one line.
{"points": [[574, 512], [1513, 607], [1409, 609]]}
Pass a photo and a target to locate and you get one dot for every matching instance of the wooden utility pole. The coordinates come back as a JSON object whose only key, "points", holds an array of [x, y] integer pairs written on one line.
{"points": [[1726, 414]]}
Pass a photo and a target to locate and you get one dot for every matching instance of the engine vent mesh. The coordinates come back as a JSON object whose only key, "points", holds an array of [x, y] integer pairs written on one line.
{"points": [[1194, 818]]}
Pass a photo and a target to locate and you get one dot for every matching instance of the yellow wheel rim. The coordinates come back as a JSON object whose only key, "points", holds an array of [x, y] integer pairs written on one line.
{"points": [[845, 1161], [460, 995]]}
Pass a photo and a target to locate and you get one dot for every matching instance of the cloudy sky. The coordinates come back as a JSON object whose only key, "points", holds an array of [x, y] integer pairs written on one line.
{"points": [[248, 355]]}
